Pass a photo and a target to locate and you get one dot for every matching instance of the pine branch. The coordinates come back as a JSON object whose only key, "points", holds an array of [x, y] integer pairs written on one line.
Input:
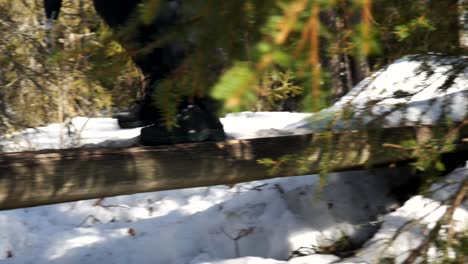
{"points": [[458, 198]]}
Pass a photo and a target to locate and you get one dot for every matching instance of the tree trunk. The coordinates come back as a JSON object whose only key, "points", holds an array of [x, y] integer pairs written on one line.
{"points": [[445, 16], [463, 14]]}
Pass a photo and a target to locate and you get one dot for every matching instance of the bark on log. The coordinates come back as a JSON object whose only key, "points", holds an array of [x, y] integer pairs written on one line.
{"points": [[54, 176]]}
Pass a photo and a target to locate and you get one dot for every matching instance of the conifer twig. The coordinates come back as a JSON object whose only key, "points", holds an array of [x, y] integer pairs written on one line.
{"points": [[446, 218]]}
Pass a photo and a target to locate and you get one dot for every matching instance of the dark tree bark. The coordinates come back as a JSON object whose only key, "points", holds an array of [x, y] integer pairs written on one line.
{"points": [[337, 59], [445, 16]]}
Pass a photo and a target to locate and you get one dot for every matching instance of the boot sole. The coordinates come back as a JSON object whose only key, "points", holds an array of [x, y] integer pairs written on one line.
{"points": [[133, 124], [127, 125]]}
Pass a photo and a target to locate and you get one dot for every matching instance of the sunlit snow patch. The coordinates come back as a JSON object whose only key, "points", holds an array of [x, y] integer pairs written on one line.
{"points": [[414, 90]]}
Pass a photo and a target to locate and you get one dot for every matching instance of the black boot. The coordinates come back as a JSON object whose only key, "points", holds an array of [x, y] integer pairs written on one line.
{"points": [[141, 113], [194, 125]]}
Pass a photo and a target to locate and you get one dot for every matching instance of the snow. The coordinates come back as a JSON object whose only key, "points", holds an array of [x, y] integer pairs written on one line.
{"points": [[91, 131], [413, 90], [266, 219], [424, 212], [260, 222]]}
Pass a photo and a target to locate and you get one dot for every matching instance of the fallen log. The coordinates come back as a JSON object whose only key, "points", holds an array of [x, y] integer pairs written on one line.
{"points": [[54, 176]]}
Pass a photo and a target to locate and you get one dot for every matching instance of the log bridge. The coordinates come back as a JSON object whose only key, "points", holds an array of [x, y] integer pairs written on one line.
{"points": [[54, 176]]}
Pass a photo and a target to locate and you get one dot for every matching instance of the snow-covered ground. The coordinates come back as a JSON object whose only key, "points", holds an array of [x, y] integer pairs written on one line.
{"points": [[268, 219], [92, 131], [257, 222], [414, 90]]}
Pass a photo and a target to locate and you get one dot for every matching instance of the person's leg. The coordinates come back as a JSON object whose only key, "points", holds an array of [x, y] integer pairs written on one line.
{"points": [[117, 15], [157, 63], [196, 116], [136, 37]]}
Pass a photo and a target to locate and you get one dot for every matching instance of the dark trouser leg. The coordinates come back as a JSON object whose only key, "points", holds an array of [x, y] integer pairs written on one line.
{"points": [[196, 117], [155, 64], [122, 16]]}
